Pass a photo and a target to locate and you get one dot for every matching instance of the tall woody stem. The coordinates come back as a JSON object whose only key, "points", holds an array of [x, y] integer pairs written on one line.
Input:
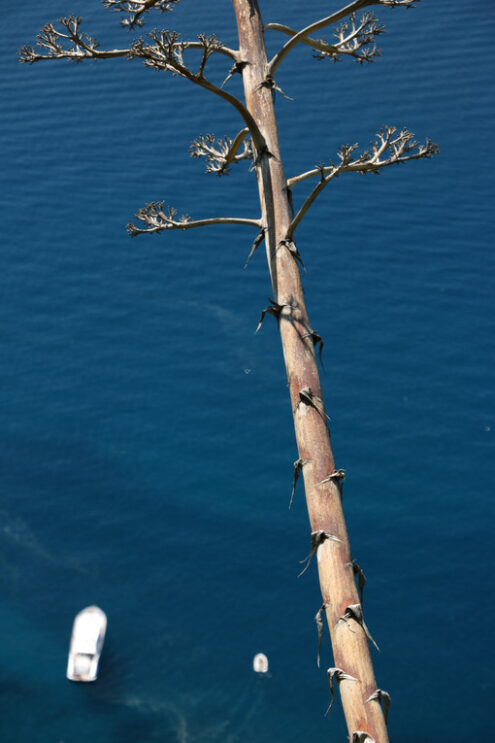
{"points": [[349, 639]]}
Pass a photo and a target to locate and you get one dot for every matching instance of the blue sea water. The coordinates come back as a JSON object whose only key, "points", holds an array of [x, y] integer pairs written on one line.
{"points": [[146, 442]]}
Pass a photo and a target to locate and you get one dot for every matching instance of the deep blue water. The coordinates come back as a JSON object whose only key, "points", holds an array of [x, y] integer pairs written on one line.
{"points": [[146, 441]]}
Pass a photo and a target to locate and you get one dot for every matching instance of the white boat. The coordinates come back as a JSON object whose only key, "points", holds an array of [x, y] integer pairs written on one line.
{"points": [[88, 634], [260, 663]]}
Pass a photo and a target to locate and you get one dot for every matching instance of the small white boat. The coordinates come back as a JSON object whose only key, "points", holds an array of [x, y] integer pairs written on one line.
{"points": [[88, 634], [260, 663]]}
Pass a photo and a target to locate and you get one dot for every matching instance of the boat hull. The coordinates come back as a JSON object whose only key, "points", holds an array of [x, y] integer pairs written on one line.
{"points": [[88, 635]]}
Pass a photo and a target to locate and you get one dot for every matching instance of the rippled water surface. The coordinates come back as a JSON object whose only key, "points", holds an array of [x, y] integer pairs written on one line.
{"points": [[146, 442]]}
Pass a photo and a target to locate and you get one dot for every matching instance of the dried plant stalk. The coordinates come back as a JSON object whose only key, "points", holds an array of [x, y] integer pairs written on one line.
{"points": [[351, 648]]}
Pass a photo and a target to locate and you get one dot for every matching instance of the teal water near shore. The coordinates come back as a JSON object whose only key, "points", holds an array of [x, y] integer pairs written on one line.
{"points": [[146, 444]]}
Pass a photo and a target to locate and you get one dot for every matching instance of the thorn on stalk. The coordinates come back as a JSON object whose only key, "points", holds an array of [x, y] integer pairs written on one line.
{"points": [[383, 697], [270, 83], [317, 539], [262, 152], [274, 309], [291, 247], [317, 339], [355, 611], [361, 578], [338, 476], [257, 242], [359, 736], [339, 675], [288, 190], [237, 67], [298, 465], [308, 397], [319, 627]]}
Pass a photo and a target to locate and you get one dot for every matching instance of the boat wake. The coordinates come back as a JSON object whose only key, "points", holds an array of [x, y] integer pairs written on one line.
{"points": [[189, 720]]}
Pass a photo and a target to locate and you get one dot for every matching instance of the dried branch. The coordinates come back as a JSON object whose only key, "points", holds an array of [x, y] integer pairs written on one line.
{"points": [[136, 8], [167, 54], [389, 148], [354, 44], [220, 154], [397, 147], [158, 220], [354, 39], [327, 174], [168, 50], [301, 36], [69, 42]]}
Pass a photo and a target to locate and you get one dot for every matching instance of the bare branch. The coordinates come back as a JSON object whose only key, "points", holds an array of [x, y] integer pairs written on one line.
{"points": [[72, 44], [300, 36], [327, 174], [136, 8], [167, 54], [69, 42], [355, 40], [210, 46], [389, 148], [331, 51], [158, 220], [220, 154]]}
